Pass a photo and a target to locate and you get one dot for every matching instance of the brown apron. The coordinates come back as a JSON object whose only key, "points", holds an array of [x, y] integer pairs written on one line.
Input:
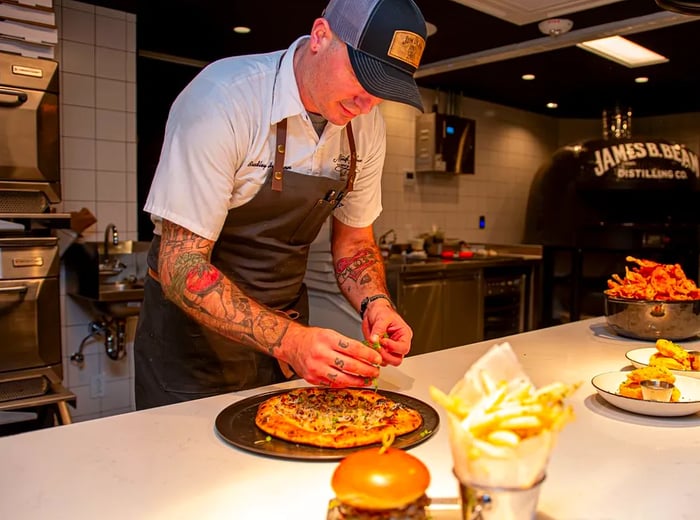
{"points": [[263, 248]]}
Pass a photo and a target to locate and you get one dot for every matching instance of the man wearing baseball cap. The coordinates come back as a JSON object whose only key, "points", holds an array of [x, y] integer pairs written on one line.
{"points": [[259, 152]]}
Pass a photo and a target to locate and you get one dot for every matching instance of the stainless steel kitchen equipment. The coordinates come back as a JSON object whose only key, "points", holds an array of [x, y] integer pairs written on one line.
{"points": [[449, 303], [30, 350], [505, 301], [444, 143], [443, 307], [29, 129]]}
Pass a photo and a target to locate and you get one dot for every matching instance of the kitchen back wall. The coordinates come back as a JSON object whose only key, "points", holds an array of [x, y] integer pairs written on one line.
{"points": [[97, 62]]}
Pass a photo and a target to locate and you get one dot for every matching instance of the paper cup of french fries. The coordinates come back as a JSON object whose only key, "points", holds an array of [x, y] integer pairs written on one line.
{"points": [[501, 428]]}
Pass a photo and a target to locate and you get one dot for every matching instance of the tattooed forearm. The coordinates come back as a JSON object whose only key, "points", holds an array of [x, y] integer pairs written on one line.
{"points": [[206, 295], [356, 268], [362, 272], [270, 326]]}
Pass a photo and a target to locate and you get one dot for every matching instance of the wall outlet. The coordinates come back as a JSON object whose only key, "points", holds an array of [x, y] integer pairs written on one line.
{"points": [[97, 386], [409, 179]]}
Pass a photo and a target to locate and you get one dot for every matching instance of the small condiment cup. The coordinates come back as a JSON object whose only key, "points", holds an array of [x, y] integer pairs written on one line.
{"points": [[656, 390]]}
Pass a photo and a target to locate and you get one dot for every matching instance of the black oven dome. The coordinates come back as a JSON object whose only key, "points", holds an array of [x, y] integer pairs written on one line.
{"points": [[603, 183]]}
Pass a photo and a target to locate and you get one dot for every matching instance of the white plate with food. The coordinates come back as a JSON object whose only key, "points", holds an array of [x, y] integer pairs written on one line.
{"points": [[640, 358], [608, 385]]}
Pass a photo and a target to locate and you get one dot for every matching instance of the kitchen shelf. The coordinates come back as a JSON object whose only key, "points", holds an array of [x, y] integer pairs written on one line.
{"points": [[47, 220]]}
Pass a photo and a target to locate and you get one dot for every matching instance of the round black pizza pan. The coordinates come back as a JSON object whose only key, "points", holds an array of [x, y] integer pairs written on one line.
{"points": [[235, 424]]}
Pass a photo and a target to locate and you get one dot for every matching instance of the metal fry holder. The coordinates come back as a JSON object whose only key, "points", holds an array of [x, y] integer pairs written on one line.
{"points": [[499, 503]]}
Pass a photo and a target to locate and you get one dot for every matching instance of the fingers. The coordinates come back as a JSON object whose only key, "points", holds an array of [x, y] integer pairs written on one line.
{"points": [[338, 379], [325, 357], [394, 344], [357, 351], [386, 328], [344, 371]]}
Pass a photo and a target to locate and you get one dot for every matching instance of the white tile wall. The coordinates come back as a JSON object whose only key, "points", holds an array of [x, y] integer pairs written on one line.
{"points": [[97, 54], [510, 145], [97, 57]]}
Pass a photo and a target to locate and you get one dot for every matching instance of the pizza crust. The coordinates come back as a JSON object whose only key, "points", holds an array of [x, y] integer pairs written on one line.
{"points": [[335, 417]]}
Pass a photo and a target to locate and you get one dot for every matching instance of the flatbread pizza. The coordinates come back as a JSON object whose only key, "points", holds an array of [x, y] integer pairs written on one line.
{"points": [[335, 417]]}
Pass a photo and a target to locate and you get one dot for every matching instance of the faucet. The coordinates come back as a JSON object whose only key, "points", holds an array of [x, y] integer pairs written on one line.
{"points": [[110, 231], [388, 238]]}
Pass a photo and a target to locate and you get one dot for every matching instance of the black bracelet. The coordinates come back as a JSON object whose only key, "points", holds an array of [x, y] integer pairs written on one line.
{"points": [[370, 299]]}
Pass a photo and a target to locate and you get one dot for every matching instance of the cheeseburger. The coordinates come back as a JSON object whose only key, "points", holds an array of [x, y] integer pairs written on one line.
{"points": [[380, 484]]}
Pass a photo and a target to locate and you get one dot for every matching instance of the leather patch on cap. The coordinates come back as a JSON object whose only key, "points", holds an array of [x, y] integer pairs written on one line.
{"points": [[407, 47]]}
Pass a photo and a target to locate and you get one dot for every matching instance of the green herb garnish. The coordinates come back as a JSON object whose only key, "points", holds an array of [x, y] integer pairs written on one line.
{"points": [[375, 346]]}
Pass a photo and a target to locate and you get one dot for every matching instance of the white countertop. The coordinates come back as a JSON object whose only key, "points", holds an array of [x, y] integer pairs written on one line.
{"points": [[169, 463]]}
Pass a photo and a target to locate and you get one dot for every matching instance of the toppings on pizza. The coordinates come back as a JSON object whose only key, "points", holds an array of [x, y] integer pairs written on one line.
{"points": [[336, 418]]}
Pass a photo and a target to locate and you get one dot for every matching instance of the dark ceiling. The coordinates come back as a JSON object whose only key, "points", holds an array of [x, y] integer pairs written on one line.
{"points": [[582, 83]]}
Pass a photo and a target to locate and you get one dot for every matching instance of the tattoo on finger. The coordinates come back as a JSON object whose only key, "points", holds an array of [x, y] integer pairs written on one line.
{"points": [[339, 363], [343, 344]]}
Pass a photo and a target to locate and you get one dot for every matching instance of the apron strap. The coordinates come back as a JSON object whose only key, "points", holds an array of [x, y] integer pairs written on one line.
{"points": [[280, 150], [353, 159], [278, 171]]}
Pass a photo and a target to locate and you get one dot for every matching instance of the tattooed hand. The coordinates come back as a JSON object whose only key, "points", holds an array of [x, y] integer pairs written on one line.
{"points": [[384, 326], [326, 357]]}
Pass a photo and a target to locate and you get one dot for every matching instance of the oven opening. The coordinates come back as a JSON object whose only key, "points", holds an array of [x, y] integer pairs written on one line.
{"points": [[30, 358]]}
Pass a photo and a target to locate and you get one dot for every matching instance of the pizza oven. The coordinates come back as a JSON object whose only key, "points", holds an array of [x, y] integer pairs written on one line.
{"points": [[596, 202]]}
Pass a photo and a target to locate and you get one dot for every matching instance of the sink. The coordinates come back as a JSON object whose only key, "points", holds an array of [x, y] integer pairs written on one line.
{"points": [[103, 281], [120, 291]]}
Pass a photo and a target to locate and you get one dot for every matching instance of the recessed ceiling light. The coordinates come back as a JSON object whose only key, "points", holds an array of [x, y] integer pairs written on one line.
{"points": [[552, 104], [241, 29], [528, 77], [623, 51], [641, 79]]}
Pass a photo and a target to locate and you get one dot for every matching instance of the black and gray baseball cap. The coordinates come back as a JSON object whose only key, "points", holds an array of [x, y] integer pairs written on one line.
{"points": [[385, 40]]}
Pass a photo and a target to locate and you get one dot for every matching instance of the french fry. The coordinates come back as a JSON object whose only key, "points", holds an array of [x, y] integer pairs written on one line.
{"points": [[450, 403], [487, 382], [482, 447], [522, 422], [503, 438], [520, 392]]}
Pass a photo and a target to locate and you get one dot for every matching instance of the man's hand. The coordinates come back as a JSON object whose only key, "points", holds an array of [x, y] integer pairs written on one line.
{"points": [[326, 357], [384, 326]]}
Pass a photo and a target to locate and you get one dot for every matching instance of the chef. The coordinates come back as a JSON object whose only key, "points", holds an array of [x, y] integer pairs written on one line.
{"points": [[258, 152]]}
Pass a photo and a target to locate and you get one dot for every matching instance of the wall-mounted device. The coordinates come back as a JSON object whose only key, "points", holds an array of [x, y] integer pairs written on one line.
{"points": [[444, 143]]}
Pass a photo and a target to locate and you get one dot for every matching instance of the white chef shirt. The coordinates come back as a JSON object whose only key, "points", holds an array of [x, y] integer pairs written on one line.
{"points": [[220, 139]]}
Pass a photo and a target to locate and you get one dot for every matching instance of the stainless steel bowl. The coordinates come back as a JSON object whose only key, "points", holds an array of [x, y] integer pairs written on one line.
{"points": [[651, 320]]}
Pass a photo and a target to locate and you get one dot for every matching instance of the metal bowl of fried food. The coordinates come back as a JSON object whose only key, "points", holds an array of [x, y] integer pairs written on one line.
{"points": [[673, 320]]}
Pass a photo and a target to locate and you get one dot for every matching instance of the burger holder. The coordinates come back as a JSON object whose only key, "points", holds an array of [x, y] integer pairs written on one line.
{"points": [[498, 503]]}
